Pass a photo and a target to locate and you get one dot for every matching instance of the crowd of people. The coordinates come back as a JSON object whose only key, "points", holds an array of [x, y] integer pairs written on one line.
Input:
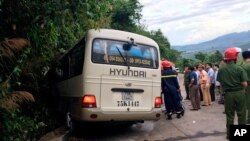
{"points": [[228, 79], [201, 84]]}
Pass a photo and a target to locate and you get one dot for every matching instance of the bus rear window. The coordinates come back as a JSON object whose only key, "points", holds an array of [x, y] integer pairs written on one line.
{"points": [[112, 52]]}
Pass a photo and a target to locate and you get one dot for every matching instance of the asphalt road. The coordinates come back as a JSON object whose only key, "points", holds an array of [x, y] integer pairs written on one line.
{"points": [[209, 123]]}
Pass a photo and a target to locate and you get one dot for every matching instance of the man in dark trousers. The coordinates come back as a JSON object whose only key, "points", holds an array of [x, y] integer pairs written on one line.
{"points": [[186, 74], [193, 89], [171, 90], [198, 75], [210, 73], [246, 66], [233, 79]]}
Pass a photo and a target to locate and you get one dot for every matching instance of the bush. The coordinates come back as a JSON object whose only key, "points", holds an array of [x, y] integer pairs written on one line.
{"points": [[18, 127]]}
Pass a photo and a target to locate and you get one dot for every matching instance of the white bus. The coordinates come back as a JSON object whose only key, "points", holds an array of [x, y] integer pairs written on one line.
{"points": [[110, 75]]}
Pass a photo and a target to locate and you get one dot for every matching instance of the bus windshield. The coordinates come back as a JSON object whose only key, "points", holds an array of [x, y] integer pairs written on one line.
{"points": [[112, 52]]}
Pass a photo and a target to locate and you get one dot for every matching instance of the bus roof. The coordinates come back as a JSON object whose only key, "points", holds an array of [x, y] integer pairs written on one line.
{"points": [[114, 34], [121, 35]]}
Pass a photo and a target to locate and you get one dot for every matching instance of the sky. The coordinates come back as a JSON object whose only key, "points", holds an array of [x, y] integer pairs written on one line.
{"points": [[194, 21]]}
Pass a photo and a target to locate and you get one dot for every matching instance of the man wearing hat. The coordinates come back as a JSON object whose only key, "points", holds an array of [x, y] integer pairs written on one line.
{"points": [[171, 90], [233, 79]]}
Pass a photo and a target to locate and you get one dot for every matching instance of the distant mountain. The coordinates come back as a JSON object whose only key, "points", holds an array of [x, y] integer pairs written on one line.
{"points": [[240, 39]]}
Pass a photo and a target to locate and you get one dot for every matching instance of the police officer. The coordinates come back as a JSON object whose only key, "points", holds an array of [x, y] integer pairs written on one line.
{"points": [[233, 79], [171, 90], [246, 66], [204, 85]]}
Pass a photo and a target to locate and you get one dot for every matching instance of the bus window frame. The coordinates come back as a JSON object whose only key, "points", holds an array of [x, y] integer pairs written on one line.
{"points": [[67, 57], [155, 48]]}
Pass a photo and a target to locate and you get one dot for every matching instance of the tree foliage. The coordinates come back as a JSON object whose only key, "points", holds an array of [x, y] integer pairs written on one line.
{"points": [[50, 27], [214, 58], [200, 56], [33, 34], [126, 14]]}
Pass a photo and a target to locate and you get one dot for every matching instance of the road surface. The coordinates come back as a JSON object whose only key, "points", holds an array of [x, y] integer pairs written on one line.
{"points": [[207, 124]]}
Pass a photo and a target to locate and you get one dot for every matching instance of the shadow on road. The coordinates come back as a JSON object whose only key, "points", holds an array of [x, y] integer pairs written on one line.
{"points": [[197, 135], [98, 132]]}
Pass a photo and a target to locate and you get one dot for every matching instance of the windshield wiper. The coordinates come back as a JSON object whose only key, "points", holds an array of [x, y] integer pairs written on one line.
{"points": [[125, 61]]}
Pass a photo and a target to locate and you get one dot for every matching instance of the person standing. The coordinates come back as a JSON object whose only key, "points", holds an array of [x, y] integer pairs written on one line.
{"points": [[171, 89], [186, 74], [198, 75], [222, 63], [204, 85], [193, 89], [246, 66], [210, 73], [217, 84], [233, 79]]}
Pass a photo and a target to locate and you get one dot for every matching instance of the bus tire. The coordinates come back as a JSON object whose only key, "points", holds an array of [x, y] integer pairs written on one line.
{"points": [[70, 123]]}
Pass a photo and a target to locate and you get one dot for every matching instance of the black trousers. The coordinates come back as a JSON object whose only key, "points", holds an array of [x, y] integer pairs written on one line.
{"points": [[172, 102], [187, 91], [212, 87], [201, 94]]}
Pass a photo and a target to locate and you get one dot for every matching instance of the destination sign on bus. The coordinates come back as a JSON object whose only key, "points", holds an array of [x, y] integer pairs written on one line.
{"points": [[131, 60]]}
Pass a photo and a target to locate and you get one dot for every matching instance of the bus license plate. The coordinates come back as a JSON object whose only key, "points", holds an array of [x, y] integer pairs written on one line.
{"points": [[128, 103], [127, 96]]}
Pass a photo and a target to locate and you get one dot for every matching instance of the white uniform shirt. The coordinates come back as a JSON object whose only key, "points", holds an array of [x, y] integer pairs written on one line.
{"points": [[217, 83], [211, 75], [198, 74]]}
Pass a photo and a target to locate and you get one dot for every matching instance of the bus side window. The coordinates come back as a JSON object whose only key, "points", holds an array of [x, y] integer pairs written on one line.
{"points": [[76, 60], [64, 67]]}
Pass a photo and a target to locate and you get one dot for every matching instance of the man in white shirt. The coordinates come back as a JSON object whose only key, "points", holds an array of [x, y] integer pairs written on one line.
{"points": [[210, 73], [217, 84]]}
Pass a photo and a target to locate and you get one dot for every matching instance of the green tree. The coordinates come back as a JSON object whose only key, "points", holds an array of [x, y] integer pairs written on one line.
{"points": [[162, 42], [200, 56], [164, 45], [49, 26], [215, 57], [126, 14]]}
